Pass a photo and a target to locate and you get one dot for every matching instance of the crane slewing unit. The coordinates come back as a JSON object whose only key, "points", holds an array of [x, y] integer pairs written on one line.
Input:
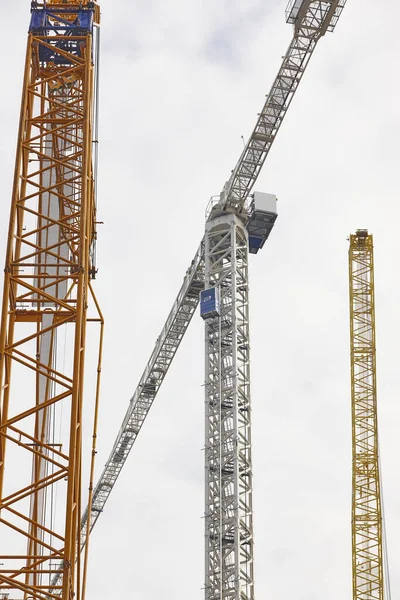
{"points": [[49, 263], [367, 537]]}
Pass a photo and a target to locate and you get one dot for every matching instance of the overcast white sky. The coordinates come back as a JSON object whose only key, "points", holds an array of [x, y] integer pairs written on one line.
{"points": [[181, 81]]}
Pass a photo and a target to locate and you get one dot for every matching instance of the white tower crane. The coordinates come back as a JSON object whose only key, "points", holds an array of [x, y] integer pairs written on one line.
{"points": [[234, 226], [237, 221]]}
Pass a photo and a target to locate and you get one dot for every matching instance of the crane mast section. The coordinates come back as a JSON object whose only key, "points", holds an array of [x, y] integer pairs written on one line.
{"points": [[46, 293], [368, 574], [156, 369], [311, 20], [228, 466]]}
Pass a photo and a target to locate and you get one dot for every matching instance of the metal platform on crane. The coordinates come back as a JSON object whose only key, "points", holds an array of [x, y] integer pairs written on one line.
{"points": [[297, 9]]}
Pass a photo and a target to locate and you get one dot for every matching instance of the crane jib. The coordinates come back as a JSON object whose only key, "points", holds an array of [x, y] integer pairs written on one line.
{"points": [[311, 19]]}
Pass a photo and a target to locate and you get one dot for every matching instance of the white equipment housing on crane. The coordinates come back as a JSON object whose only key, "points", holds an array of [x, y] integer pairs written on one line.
{"points": [[262, 216]]}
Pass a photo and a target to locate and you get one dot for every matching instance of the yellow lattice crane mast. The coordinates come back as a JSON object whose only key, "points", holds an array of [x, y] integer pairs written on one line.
{"points": [[368, 574], [46, 294]]}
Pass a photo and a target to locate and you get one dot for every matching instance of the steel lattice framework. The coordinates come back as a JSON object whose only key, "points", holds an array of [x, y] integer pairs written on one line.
{"points": [[311, 20], [62, 221], [229, 573], [228, 468], [49, 262], [368, 574]]}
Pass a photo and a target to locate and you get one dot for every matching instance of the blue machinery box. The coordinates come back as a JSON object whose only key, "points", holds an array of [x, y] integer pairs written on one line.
{"points": [[61, 29], [210, 303]]}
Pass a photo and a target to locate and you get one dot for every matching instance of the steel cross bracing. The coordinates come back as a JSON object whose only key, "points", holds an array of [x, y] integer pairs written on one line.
{"points": [[312, 19], [368, 574], [228, 492]]}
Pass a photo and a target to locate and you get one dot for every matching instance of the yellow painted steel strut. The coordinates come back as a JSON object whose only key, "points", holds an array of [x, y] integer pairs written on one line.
{"points": [[368, 573], [46, 295]]}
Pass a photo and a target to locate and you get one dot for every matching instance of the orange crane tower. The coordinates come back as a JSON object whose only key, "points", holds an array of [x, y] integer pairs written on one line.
{"points": [[49, 263], [367, 538]]}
